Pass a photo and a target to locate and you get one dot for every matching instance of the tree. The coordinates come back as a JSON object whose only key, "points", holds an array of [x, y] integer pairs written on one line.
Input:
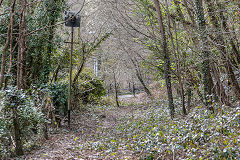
{"points": [[140, 77], [207, 78], [21, 62], [167, 62]]}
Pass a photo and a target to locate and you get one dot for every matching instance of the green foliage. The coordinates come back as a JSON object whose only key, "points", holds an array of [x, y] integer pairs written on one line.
{"points": [[31, 119], [86, 90], [4, 27], [89, 89], [42, 47], [145, 11], [59, 95]]}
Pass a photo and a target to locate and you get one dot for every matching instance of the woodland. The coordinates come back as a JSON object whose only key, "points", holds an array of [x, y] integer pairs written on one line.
{"points": [[138, 79]]}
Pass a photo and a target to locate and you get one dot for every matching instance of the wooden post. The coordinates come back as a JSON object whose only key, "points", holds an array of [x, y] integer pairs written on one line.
{"points": [[70, 80]]}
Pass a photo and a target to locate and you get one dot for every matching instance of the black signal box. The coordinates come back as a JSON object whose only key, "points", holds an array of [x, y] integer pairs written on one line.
{"points": [[71, 19]]}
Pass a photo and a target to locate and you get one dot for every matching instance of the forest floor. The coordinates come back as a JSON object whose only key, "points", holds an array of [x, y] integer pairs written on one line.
{"points": [[141, 128], [86, 127]]}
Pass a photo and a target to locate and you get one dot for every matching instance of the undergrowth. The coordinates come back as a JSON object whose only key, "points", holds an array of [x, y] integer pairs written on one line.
{"points": [[152, 134]]}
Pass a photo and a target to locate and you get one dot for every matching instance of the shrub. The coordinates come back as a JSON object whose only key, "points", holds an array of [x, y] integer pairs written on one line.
{"points": [[31, 119], [59, 95], [89, 89]]}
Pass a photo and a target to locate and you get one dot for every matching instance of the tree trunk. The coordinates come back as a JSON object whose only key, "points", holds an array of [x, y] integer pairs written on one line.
{"points": [[10, 44], [4, 52], [194, 83], [189, 95], [231, 75], [55, 74], [51, 30], [17, 132], [220, 89], [177, 53], [116, 85], [233, 80], [129, 87], [47, 60], [207, 79], [79, 70], [221, 48], [140, 78], [8, 40], [22, 48], [190, 13], [167, 68], [235, 49], [134, 90]]}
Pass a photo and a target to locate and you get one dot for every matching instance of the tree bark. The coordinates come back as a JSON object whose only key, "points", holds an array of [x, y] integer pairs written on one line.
{"points": [[235, 49], [190, 13], [167, 69], [189, 95], [220, 89], [140, 78], [17, 132], [231, 75], [80, 68], [207, 78], [134, 90], [176, 53], [116, 85], [22, 48], [10, 44], [8, 41], [4, 52], [55, 74], [222, 49]]}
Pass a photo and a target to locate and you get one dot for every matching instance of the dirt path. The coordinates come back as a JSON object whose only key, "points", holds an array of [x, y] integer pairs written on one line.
{"points": [[128, 96], [65, 144]]}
